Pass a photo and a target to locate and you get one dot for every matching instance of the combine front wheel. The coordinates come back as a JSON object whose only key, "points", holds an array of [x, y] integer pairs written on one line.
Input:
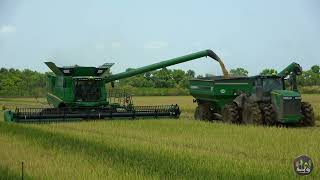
{"points": [[308, 114]]}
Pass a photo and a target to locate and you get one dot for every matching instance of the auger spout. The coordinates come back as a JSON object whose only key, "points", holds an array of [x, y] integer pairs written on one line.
{"points": [[167, 63], [293, 68]]}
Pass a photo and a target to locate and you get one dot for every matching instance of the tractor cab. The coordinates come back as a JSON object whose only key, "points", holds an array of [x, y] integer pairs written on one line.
{"points": [[269, 83], [286, 103]]}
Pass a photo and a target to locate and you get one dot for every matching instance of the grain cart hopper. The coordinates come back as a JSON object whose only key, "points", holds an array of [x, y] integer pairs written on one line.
{"points": [[78, 92], [253, 100]]}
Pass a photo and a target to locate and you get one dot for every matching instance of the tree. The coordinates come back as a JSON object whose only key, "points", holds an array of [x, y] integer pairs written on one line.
{"points": [[148, 75], [239, 72], [163, 78], [310, 77], [140, 81], [3, 70], [268, 72], [315, 69], [178, 75], [14, 82], [191, 73]]}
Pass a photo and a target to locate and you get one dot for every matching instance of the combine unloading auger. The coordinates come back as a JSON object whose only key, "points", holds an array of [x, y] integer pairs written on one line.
{"points": [[79, 93]]}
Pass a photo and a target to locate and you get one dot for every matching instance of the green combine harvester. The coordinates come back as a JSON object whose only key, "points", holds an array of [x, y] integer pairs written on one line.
{"points": [[79, 93], [267, 100]]}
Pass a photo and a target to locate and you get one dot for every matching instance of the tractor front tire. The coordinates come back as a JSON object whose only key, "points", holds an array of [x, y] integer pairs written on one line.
{"points": [[308, 114], [230, 113], [252, 114], [268, 114]]}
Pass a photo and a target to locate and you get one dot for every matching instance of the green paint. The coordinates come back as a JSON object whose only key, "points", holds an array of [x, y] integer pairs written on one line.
{"points": [[65, 82], [8, 116], [286, 93], [219, 91], [294, 118]]}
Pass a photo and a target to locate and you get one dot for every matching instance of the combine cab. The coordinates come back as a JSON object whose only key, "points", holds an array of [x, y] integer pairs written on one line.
{"points": [[79, 93]]}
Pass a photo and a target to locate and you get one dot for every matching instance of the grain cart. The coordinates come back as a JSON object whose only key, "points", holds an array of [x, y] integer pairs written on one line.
{"points": [[253, 100], [77, 93]]}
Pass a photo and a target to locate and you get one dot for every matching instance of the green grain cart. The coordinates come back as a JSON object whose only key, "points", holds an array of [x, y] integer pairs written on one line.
{"points": [[79, 93], [267, 100]]}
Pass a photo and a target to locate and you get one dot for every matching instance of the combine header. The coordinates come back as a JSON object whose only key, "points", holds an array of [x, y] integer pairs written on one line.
{"points": [[79, 93]]}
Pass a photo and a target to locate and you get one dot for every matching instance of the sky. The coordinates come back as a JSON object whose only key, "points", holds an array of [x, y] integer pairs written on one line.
{"points": [[253, 34]]}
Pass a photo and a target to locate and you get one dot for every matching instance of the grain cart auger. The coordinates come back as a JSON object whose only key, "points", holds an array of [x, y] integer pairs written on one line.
{"points": [[262, 99], [77, 93]]}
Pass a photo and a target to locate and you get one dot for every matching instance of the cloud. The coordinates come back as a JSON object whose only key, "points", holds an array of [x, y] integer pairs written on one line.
{"points": [[7, 29], [156, 45]]}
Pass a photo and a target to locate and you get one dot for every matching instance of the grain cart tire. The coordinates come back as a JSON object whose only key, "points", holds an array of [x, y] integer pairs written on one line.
{"points": [[268, 114], [196, 113], [308, 114], [252, 114], [204, 112], [230, 113]]}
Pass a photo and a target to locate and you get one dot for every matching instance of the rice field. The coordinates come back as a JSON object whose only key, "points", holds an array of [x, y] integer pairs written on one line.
{"points": [[154, 149]]}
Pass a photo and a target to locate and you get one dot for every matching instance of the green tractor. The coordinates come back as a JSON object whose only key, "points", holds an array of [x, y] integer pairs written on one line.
{"points": [[267, 100], [79, 93]]}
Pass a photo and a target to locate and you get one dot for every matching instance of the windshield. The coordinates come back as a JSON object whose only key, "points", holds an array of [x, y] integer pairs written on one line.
{"points": [[272, 84], [87, 90]]}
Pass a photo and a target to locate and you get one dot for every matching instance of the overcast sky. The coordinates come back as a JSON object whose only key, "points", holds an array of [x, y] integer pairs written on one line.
{"points": [[251, 34]]}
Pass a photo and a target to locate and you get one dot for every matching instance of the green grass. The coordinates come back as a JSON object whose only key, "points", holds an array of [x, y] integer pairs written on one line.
{"points": [[155, 149]]}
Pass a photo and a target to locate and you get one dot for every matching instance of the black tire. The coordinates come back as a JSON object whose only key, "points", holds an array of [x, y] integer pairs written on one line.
{"points": [[230, 113], [203, 112], [252, 114], [196, 114], [268, 114], [308, 114]]}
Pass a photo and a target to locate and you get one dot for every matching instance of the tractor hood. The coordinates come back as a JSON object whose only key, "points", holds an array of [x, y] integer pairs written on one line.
{"points": [[286, 93], [287, 105]]}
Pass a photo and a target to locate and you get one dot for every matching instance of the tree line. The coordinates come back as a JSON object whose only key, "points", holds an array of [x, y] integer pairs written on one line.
{"points": [[310, 77], [163, 78], [28, 83], [24, 83]]}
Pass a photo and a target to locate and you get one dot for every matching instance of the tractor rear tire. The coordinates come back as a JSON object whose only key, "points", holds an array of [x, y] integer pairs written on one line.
{"points": [[308, 114], [252, 114], [230, 113], [203, 112], [268, 114]]}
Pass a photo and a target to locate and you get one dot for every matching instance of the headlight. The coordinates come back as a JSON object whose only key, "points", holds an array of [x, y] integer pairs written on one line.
{"points": [[298, 97], [287, 98]]}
